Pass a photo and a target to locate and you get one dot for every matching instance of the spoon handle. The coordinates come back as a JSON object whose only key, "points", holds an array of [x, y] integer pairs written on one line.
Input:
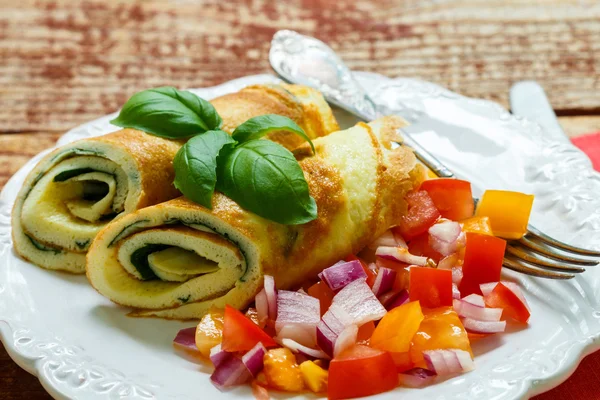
{"points": [[308, 61]]}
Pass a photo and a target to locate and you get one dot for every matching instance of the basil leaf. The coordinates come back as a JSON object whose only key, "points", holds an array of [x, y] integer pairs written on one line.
{"points": [[257, 127], [169, 113], [196, 163], [264, 177]]}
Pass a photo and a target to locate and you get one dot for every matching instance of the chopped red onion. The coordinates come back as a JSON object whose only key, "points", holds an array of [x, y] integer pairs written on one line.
{"points": [[218, 355], [448, 262], [451, 361], [230, 372], [400, 254], [468, 310], [307, 351], [262, 307], [394, 299], [337, 319], [486, 288], [320, 274], [186, 338], [435, 361], [386, 239], [384, 281], [299, 314], [253, 359], [359, 302], [339, 275], [271, 292], [416, 377], [326, 338], [457, 275], [455, 291], [475, 299], [476, 326], [443, 237], [345, 340], [464, 358]]}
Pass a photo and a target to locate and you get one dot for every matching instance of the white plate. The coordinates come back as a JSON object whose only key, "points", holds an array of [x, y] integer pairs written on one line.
{"points": [[82, 346]]}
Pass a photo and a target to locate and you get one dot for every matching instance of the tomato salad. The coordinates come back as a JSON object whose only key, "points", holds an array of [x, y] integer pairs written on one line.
{"points": [[402, 312]]}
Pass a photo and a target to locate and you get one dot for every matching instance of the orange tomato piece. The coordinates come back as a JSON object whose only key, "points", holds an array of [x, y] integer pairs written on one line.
{"points": [[397, 328], [508, 212], [441, 329], [240, 333], [504, 298], [430, 286], [209, 332], [323, 293], [477, 225], [282, 371], [361, 371]]}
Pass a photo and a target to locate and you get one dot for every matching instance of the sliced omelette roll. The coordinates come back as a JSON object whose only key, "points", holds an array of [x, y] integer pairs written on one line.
{"points": [[76, 190], [177, 259]]}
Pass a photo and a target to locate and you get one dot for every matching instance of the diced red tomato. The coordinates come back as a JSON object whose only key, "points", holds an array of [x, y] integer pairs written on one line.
{"points": [[421, 214], [240, 333], [452, 197], [402, 361], [483, 262], [397, 328], [419, 246], [402, 280], [323, 292], [504, 298], [430, 286], [361, 371], [209, 332], [371, 273], [441, 329], [365, 332]]}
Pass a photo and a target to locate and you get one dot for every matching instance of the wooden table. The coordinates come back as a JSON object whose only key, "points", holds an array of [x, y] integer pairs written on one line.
{"points": [[65, 62]]}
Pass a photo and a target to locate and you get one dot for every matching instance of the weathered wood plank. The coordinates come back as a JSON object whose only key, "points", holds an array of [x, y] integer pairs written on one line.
{"points": [[17, 148], [65, 62]]}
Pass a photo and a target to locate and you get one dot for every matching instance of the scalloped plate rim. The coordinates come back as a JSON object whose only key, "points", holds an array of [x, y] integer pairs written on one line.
{"points": [[34, 364]]}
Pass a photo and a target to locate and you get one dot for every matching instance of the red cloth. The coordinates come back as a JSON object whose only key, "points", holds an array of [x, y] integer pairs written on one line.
{"points": [[590, 145], [584, 384]]}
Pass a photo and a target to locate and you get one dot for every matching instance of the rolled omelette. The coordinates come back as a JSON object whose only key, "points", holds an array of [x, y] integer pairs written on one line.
{"points": [[77, 189], [177, 259]]}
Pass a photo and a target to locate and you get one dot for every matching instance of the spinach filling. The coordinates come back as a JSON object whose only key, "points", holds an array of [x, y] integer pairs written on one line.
{"points": [[70, 173], [139, 259], [43, 247]]}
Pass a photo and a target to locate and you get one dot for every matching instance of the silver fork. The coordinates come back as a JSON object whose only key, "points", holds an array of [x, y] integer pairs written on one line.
{"points": [[305, 60]]}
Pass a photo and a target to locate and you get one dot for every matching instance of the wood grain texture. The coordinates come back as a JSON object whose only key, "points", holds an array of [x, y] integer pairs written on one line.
{"points": [[64, 62]]}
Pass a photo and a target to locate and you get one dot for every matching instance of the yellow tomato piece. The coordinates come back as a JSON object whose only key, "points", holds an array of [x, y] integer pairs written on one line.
{"points": [[441, 329], [209, 332], [314, 376], [477, 225], [508, 212], [397, 328], [282, 371], [431, 174]]}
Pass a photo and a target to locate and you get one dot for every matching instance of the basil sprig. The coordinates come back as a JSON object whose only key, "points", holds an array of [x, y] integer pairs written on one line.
{"points": [[265, 178], [196, 165], [169, 113]]}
